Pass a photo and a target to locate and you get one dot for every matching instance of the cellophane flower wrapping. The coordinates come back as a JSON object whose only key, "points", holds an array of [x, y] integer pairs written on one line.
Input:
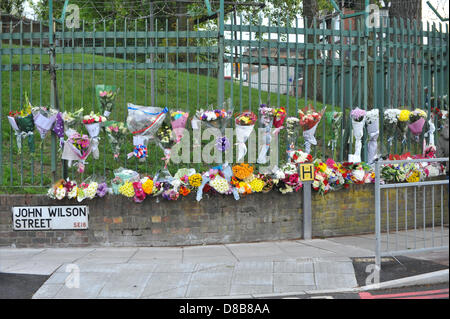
{"points": [[143, 122], [165, 138], [106, 98], [92, 123], [44, 118], [417, 120], [77, 148], [178, 120], [58, 128], [72, 121], [309, 119], [292, 129], [22, 123], [389, 125], [373, 130], [266, 120], [279, 115], [245, 123], [217, 118], [358, 117], [402, 124], [116, 133], [334, 120]]}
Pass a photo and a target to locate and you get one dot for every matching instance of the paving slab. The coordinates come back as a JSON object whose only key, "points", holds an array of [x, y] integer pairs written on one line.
{"points": [[90, 286], [293, 267], [334, 267], [211, 278], [252, 278], [334, 281], [196, 291], [47, 291], [126, 284], [159, 253], [254, 266], [293, 279], [237, 289], [255, 250]]}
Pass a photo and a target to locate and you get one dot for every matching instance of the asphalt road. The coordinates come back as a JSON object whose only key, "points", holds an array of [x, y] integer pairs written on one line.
{"points": [[20, 286], [439, 291]]}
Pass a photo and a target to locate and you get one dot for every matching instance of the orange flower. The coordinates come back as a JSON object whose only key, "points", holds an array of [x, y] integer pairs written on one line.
{"points": [[184, 191], [242, 171]]}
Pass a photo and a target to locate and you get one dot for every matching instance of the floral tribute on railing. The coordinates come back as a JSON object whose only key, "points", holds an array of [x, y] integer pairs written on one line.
{"points": [[241, 180]]}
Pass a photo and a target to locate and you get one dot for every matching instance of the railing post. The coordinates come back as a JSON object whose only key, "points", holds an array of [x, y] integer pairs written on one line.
{"points": [[377, 217], [54, 102], [220, 74]]}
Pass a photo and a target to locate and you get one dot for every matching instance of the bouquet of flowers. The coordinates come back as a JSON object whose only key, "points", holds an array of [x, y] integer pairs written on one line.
{"points": [[116, 133], [334, 119], [417, 121], [166, 140], [72, 120], [218, 119], [77, 148], [298, 156], [143, 122], [309, 119], [244, 126], [292, 126], [390, 124], [106, 96], [58, 128], [279, 114], [373, 129], [358, 117], [178, 120], [265, 120], [23, 125], [402, 124], [92, 124], [44, 118]]}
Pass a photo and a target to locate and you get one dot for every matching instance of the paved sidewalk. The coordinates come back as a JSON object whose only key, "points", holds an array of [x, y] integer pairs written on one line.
{"points": [[230, 270]]}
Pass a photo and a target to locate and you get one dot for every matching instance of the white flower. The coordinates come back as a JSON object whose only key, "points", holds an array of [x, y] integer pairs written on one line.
{"points": [[176, 184], [359, 174], [220, 184], [372, 116], [391, 116], [60, 193], [51, 193], [289, 168], [72, 193]]}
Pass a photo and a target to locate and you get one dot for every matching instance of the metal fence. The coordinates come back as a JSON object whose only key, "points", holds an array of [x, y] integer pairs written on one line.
{"points": [[156, 63], [410, 217]]}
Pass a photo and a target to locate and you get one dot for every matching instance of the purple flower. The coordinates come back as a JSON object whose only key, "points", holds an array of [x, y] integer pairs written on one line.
{"points": [[222, 143], [358, 114], [102, 189]]}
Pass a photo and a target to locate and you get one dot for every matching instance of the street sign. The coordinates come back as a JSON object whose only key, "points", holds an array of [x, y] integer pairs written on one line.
{"points": [[307, 172], [50, 217]]}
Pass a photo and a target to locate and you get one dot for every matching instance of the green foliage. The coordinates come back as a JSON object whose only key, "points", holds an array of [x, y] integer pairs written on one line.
{"points": [[14, 7]]}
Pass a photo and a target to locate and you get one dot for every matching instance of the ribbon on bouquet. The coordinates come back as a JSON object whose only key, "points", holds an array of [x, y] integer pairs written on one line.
{"points": [[140, 151]]}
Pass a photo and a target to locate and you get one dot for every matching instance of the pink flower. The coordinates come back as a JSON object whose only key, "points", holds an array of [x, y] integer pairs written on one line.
{"points": [[103, 93]]}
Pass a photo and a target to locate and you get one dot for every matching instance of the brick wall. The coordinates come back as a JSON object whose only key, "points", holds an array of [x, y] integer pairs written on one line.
{"points": [[117, 221]]}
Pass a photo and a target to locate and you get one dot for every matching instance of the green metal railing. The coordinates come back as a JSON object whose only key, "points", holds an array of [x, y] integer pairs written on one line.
{"points": [[162, 65]]}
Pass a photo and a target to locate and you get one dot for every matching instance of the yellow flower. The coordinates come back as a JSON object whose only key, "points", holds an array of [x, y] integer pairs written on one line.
{"points": [[127, 189], [404, 116], [148, 186], [257, 185], [195, 180]]}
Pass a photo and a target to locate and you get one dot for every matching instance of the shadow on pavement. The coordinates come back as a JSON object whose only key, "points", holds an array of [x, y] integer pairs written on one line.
{"points": [[393, 268], [20, 286]]}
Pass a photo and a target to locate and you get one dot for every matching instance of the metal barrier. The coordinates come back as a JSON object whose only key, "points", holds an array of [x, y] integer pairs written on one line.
{"points": [[411, 207]]}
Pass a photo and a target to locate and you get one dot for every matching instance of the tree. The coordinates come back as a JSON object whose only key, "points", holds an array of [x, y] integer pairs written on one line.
{"points": [[13, 7]]}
